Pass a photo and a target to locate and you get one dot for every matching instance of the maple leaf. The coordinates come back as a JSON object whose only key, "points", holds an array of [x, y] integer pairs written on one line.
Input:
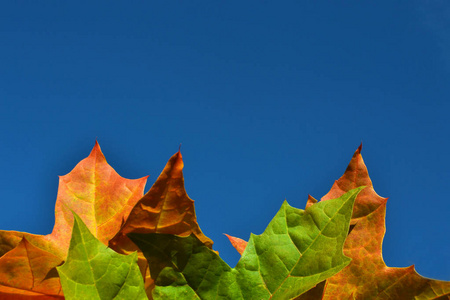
{"points": [[367, 276], [28, 272], [296, 253], [298, 249], [165, 208], [93, 190], [94, 271]]}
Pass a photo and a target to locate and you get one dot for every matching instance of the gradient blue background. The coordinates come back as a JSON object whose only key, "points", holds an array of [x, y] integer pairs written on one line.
{"points": [[269, 101]]}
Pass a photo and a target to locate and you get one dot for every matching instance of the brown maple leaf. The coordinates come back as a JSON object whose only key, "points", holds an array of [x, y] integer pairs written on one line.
{"points": [[165, 208]]}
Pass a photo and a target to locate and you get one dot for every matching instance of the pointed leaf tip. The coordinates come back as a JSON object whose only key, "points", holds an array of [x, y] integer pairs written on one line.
{"points": [[359, 148], [311, 200], [97, 152], [178, 164], [96, 145], [238, 244]]}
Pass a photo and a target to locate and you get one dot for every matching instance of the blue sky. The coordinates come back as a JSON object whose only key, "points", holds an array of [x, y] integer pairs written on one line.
{"points": [[269, 101]]}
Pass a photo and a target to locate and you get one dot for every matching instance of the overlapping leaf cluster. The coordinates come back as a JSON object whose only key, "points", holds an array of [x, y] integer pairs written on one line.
{"points": [[112, 242]]}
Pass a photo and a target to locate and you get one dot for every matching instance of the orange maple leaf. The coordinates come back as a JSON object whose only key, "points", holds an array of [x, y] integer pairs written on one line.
{"points": [[100, 196], [367, 276]]}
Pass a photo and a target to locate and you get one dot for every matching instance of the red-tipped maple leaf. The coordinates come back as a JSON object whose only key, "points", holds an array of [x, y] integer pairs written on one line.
{"points": [[93, 190], [165, 208]]}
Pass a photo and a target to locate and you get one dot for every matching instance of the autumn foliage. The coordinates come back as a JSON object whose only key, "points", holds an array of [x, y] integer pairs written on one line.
{"points": [[110, 241]]}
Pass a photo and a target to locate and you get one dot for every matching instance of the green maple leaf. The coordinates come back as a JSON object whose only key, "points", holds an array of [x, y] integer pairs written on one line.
{"points": [[94, 271], [299, 249]]}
